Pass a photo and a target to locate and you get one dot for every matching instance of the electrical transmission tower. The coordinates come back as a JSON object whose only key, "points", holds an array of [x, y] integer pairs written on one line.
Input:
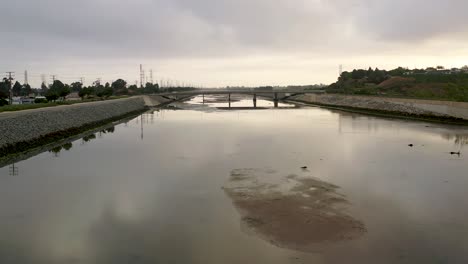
{"points": [[142, 76], [151, 76], [43, 78], [26, 78], [13, 170]]}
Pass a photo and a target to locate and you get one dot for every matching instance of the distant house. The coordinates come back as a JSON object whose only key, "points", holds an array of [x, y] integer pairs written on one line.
{"points": [[439, 72], [73, 97], [16, 100], [27, 100]]}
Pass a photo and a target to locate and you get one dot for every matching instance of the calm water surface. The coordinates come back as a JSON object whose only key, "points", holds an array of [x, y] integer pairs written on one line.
{"points": [[150, 190]]}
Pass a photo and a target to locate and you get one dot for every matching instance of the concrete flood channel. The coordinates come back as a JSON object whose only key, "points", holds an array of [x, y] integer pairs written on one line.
{"points": [[196, 183]]}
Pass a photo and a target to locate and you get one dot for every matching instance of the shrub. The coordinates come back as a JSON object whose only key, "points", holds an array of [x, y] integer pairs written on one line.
{"points": [[40, 101]]}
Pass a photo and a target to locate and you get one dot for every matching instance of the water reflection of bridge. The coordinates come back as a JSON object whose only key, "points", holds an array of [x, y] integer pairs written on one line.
{"points": [[274, 95]]}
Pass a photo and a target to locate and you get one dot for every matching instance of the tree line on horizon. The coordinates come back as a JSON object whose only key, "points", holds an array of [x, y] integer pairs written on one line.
{"points": [[377, 76], [59, 90]]}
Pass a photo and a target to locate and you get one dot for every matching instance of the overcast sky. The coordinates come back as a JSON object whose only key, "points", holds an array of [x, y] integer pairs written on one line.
{"points": [[228, 42]]}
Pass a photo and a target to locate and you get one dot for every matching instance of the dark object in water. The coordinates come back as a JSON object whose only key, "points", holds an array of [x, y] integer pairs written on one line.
{"points": [[304, 168], [455, 153], [410, 145]]}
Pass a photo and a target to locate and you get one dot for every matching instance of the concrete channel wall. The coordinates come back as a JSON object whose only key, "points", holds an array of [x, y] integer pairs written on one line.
{"points": [[409, 106], [24, 127]]}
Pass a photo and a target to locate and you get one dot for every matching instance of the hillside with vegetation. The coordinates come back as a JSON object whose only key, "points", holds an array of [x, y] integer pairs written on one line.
{"points": [[431, 83]]}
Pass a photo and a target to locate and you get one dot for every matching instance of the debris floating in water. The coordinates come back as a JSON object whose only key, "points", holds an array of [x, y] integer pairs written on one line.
{"points": [[304, 168], [455, 153], [410, 145]]}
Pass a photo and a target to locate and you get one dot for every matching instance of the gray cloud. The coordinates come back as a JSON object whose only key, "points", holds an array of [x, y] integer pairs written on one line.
{"points": [[165, 27], [60, 31], [415, 20]]}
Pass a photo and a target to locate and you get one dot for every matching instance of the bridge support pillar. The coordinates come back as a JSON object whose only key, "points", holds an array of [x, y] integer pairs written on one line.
{"points": [[276, 100], [229, 99], [255, 100], [203, 98]]}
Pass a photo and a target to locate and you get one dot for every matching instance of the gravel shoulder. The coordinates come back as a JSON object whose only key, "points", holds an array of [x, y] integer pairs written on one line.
{"points": [[20, 129]]}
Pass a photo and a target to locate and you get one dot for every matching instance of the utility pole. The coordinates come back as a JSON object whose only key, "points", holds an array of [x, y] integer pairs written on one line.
{"points": [[82, 81], [10, 80], [53, 78]]}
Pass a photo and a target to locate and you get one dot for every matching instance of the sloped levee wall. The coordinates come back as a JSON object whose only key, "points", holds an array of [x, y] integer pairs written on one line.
{"points": [[22, 130], [442, 109]]}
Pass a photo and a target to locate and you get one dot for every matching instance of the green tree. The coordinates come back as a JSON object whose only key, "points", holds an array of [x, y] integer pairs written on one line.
{"points": [[67, 146], [17, 89], [400, 71], [119, 87], [151, 88], [99, 89], [57, 90], [51, 95], [358, 74], [66, 90], [26, 90], [56, 151], [4, 88], [44, 88], [76, 87], [84, 93], [133, 89]]}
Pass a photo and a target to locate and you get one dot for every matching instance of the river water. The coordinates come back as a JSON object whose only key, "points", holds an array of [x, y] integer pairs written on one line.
{"points": [[151, 190]]}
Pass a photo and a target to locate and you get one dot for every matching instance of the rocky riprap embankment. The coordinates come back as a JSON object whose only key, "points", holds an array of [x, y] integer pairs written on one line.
{"points": [[21, 129], [414, 107]]}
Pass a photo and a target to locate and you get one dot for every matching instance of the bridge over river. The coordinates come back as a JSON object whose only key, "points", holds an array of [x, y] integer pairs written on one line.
{"points": [[275, 95]]}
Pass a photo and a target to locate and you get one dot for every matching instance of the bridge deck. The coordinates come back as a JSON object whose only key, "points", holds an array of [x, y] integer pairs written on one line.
{"points": [[247, 92]]}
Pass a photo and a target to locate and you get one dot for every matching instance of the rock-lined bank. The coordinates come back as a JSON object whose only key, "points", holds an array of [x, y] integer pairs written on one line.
{"points": [[23, 130], [430, 109]]}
